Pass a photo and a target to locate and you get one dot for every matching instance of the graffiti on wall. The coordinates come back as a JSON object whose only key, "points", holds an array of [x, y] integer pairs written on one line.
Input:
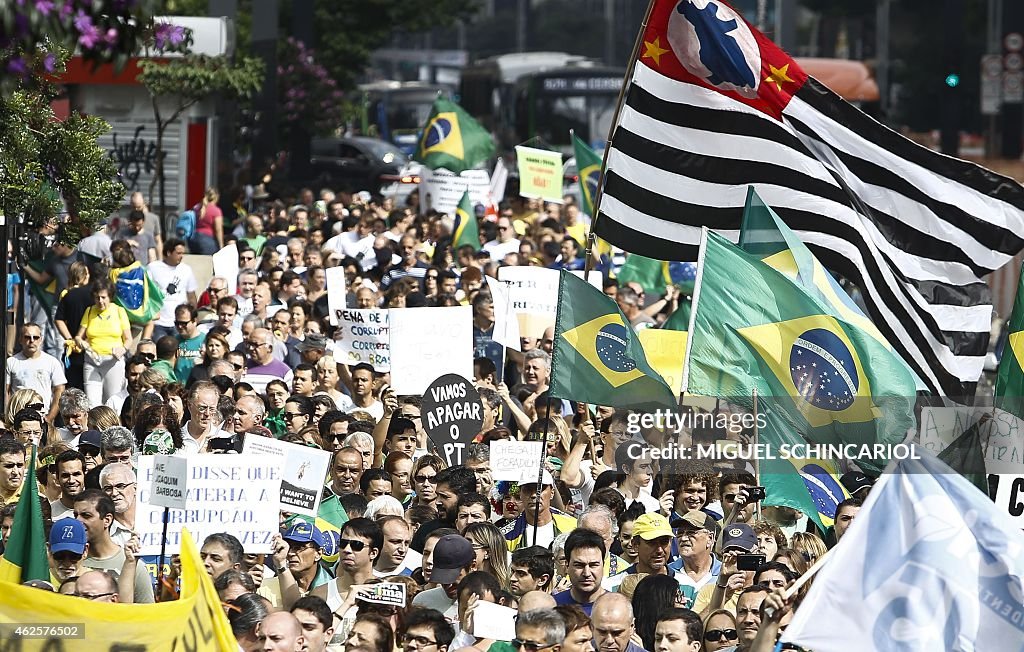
{"points": [[134, 157]]}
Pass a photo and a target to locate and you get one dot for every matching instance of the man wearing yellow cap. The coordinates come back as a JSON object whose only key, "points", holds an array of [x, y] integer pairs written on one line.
{"points": [[652, 538]]}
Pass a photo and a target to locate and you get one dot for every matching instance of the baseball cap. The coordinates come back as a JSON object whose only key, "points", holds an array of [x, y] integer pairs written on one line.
{"points": [[739, 535], [651, 526], [854, 481], [696, 519], [530, 477], [312, 342], [303, 532], [68, 535], [89, 438], [452, 553]]}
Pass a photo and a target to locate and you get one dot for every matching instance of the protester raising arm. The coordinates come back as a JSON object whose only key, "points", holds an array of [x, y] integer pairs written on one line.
{"points": [[126, 582], [380, 431]]}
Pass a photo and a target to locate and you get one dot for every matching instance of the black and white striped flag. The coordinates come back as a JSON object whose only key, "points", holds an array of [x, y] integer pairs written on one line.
{"points": [[714, 106]]}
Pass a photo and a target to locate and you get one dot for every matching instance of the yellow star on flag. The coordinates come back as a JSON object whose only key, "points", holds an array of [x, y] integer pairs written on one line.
{"points": [[653, 50], [778, 75]]}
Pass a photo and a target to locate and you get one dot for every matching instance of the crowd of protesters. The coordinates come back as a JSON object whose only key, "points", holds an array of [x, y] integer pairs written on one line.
{"points": [[602, 551]]}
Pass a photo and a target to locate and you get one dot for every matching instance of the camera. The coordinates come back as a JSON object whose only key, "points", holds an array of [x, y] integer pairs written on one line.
{"points": [[749, 562], [754, 494], [232, 444]]}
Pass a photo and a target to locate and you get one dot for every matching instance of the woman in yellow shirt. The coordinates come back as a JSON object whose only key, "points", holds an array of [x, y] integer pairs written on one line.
{"points": [[104, 336]]}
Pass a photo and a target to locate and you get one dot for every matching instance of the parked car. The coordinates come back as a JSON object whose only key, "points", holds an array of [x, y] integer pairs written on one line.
{"points": [[356, 163]]}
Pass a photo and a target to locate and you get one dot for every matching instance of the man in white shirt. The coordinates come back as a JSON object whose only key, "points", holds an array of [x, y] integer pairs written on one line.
{"points": [[506, 242], [177, 281], [204, 424], [34, 369]]}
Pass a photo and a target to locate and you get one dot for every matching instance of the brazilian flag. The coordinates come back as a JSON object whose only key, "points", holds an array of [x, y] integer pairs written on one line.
{"points": [[588, 163], [453, 140], [597, 357], [25, 555], [653, 275], [766, 236], [136, 292], [466, 231], [1009, 391], [810, 486], [815, 373]]}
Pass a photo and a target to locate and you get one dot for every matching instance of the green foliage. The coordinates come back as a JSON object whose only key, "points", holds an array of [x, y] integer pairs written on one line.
{"points": [[193, 77], [42, 160]]}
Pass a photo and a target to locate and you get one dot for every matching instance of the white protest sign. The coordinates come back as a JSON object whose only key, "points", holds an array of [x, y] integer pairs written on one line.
{"points": [[226, 493], [170, 474], [1010, 496], [506, 324], [225, 263], [427, 343], [1004, 451], [366, 337], [941, 425], [303, 470], [510, 458], [335, 292], [533, 292], [494, 621], [442, 190]]}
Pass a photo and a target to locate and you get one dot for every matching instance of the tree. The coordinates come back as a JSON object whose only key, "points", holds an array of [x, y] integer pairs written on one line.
{"points": [[181, 82]]}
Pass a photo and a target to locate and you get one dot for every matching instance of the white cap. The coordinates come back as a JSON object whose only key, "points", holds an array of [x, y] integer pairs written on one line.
{"points": [[530, 477]]}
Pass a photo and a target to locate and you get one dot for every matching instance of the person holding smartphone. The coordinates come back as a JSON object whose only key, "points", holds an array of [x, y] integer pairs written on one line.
{"points": [[739, 544]]}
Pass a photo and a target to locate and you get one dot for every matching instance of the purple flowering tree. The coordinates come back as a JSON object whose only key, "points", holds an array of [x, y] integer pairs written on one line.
{"points": [[309, 99]]}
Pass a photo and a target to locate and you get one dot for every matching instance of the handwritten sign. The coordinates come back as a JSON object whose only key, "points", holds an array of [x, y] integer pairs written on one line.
{"points": [[442, 190], [510, 458], [941, 425], [170, 473], [540, 173], [1004, 452], [533, 296], [335, 292], [226, 493], [366, 337], [427, 343], [452, 415], [302, 475]]}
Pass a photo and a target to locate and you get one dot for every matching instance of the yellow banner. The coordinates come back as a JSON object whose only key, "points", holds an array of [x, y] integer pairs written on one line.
{"points": [[665, 351], [53, 622]]}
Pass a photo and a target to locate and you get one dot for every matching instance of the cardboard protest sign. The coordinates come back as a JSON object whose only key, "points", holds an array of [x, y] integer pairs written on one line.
{"points": [[442, 190], [427, 343], [533, 293], [387, 593], [509, 458], [233, 493], [170, 473], [452, 415], [366, 337], [303, 470], [540, 173], [336, 292]]}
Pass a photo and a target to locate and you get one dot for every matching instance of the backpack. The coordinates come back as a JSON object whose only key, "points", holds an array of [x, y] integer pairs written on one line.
{"points": [[186, 225]]}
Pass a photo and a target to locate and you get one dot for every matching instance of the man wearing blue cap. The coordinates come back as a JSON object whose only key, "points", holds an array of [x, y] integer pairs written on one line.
{"points": [[297, 554], [737, 539], [68, 547]]}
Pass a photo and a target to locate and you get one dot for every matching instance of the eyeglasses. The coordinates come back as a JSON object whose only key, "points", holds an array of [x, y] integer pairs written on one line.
{"points": [[30, 433], [205, 409], [420, 641], [503, 228], [33, 338], [182, 324], [717, 634], [530, 646], [237, 366], [66, 556], [292, 415], [357, 546], [256, 345], [119, 458], [95, 596], [119, 488], [88, 451], [424, 479], [218, 289], [299, 546], [34, 406], [149, 356]]}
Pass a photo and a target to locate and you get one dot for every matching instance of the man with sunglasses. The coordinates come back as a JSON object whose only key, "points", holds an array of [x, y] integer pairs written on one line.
{"points": [[262, 367], [190, 340], [297, 555], [505, 242], [32, 368], [359, 546], [204, 424], [68, 548], [539, 630]]}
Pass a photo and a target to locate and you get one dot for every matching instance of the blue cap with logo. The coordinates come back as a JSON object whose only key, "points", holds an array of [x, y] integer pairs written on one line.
{"points": [[68, 535], [303, 532], [739, 535]]}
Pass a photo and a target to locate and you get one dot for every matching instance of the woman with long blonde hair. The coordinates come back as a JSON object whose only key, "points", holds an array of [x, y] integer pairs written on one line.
{"points": [[20, 400], [491, 550]]}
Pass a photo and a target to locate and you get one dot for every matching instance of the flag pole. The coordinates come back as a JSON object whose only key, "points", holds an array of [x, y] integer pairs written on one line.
{"points": [[694, 302], [547, 415], [757, 457], [611, 129]]}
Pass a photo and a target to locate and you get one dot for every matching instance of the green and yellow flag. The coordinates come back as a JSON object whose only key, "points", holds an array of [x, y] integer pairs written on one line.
{"points": [[25, 555], [816, 374], [588, 164], [137, 293], [597, 357], [466, 230], [809, 485], [452, 139], [1009, 391]]}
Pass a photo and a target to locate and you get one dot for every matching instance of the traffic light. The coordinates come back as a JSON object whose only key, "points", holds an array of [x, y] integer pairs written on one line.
{"points": [[952, 80]]}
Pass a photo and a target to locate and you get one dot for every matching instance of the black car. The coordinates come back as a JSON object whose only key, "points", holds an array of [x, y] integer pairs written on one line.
{"points": [[355, 163]]}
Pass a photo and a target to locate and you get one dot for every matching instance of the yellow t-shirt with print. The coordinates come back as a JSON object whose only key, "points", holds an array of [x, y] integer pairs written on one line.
{"points": [[104, 330]]}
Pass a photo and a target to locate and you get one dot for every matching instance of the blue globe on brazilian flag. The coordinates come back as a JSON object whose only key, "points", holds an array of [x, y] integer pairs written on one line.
{"points": [[597, 357]]}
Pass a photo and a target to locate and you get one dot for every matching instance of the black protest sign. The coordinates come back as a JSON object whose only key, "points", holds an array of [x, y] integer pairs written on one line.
{"points": [[452, 415]]}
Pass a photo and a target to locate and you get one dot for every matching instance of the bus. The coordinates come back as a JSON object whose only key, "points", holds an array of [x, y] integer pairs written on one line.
{"points": [[541, 94], [396, 111]]}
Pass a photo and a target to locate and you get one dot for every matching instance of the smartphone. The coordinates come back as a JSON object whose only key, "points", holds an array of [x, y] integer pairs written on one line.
{"points": [[754, 494], [749, 562]]}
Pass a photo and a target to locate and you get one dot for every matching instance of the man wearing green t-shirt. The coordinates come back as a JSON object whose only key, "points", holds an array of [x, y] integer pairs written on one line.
{"points": [[190, 341]]}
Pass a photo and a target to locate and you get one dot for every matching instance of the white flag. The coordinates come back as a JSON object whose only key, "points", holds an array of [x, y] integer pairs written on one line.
{"points": [[930, 564], [506, 324], [498, 180]]}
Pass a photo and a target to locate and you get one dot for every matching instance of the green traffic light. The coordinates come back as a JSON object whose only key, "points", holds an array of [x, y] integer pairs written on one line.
{"points": [[952, 80]]}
